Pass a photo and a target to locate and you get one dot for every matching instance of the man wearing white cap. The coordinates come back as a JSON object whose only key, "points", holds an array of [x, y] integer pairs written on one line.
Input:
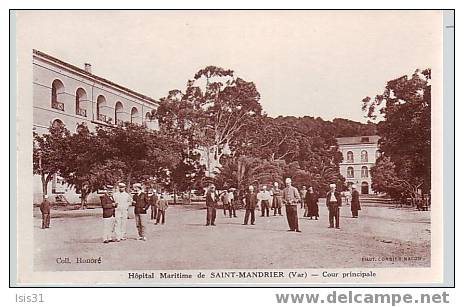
{"points": [[291, 198], [334, 202], [264, 198], [355, 204], [123, 200]]}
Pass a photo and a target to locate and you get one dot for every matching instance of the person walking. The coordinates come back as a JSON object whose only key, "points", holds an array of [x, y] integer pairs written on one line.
{"points": [[311, 204], [141, 205], [123, 201], [277, 195], [264, 199], [108, 205], [212, 199], [250, 200], [45, 210], [355, 203], [334, 202], [162, 207], [291, 198]]}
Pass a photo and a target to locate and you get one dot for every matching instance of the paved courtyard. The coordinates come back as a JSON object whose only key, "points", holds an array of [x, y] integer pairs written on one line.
{"points": [[373, 240]]}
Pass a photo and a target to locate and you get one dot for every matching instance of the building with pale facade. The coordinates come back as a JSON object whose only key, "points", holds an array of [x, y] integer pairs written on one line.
{"points": [[70, 95], [359, 155]]}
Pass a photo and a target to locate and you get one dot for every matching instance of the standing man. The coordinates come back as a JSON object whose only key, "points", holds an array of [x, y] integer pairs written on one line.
{"points": [[277, 195], [250, 200], [45, 209], [355, 204], [291, 198], [212, 199], [153, 199], [227, 199], [231, 200], [141, 204], [334, 202], [108, 205], [123, 201], [311, 204], [264, 198], [162, 206], [303, 197]]}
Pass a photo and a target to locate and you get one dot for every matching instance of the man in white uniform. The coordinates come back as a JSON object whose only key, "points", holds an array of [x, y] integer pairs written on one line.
{"points": [[123, 201]]}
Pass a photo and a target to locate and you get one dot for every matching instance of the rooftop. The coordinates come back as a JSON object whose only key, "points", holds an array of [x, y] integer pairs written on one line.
{"points": [[84, 72], [351, 140]]}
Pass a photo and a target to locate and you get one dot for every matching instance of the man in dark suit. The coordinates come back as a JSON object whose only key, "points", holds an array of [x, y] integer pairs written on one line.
{"points": [[250, 200], [45, 209], [212, 199], [334, 202], [355, 204], [141, 204], [109, 222]]}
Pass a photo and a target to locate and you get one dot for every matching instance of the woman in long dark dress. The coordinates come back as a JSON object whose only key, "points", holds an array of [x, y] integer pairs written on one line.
{"points": [[311, 202]]}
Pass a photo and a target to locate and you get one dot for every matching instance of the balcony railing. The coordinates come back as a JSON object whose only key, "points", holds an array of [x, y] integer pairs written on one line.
{"points": [[81, 112], [58, 105], [104, 118]]}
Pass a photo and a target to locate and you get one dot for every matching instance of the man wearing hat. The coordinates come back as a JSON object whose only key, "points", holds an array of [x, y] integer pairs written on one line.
{"points": [[334, 202], [355, 204], [291, 198], [303, 197], [141, 204], [250, 201], [277, 199], [45, 209], [212, 199], [264, 198], [108, 206], [153, 198], [123, 201]]}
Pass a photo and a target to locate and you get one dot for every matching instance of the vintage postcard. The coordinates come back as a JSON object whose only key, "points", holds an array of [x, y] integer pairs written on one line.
{"points": [[176, 148]]}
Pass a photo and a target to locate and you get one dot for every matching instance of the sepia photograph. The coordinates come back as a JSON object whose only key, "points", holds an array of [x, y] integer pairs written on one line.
{"points": [[229, 146]]}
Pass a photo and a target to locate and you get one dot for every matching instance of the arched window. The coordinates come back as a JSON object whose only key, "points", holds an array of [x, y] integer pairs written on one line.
{"points": [[349, 156], [57, 95], [100, 103], [57, 123], [81, 97], [117, 114], [364, 156], [134, 114], [364, 172], [350, 172], [148, 117]]}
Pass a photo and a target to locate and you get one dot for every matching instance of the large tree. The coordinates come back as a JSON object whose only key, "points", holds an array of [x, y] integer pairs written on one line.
{"points": [[50, 153], [219, 106], [404, 114]]}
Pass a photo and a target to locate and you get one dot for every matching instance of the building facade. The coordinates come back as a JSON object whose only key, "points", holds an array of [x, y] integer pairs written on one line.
{"points": [[359, 155], [72, 96]]}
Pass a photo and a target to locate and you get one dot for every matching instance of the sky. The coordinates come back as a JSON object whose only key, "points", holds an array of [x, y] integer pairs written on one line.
{"points": [[304, 63]]}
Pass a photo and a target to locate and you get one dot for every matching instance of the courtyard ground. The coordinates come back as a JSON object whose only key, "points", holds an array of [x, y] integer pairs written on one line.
{"points": [[380, 234]]}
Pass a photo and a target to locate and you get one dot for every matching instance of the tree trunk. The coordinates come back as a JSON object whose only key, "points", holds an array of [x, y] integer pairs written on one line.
{"points": [[44, 185]]}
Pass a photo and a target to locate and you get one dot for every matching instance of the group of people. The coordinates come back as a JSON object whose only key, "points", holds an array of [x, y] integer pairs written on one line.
{"points": [[116, 210], [275, 198], [116, 206]]}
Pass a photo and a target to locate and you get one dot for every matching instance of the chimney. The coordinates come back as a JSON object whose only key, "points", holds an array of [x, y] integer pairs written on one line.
{"points": [[88, 67]]}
